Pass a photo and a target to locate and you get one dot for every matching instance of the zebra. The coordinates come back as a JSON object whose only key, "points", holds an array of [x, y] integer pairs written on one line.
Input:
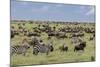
{"points": [[42, 49], [19, 49]]}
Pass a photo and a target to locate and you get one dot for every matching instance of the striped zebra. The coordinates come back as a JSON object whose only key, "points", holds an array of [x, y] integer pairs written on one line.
{"points": [[19, 49], [42, 49]]}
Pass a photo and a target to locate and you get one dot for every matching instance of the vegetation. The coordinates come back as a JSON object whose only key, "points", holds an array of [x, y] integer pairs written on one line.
{"points": [[56, 56]]}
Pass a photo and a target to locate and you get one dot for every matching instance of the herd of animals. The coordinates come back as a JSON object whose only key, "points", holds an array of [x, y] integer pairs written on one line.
{"points": [[74, 30]]}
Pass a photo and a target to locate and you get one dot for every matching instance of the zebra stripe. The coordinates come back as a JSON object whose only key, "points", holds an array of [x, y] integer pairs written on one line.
{"points": [[19, 49], [41, 49]]}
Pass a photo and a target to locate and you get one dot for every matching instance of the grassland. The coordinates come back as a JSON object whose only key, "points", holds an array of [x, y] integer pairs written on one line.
{"points": [[56, 56]]}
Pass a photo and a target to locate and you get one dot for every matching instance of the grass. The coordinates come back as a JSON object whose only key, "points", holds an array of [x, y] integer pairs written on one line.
{"points": [[56, 56]]}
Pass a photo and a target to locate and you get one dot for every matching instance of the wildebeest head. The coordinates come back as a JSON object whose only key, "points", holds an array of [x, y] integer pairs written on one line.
{"points": [[83, 44]]}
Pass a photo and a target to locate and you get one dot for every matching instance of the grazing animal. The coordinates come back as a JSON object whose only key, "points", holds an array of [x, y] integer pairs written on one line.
{"points": [[42, 49], [51, 34], [81, 46], [19, 49], [41, 43], [33, 34], [74, 39], [12, 34], [92, 37], [63, 48], [61, 35], [77, 34], [50, 47], [92, 58], [34, 41]]}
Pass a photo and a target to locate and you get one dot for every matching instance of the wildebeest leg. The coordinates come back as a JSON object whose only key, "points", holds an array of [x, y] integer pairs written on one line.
{"points": [[74, 49], [83, 49]]}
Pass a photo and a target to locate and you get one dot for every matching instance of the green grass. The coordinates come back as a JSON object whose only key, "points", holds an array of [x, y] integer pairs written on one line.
{"points": [[56, 56]]}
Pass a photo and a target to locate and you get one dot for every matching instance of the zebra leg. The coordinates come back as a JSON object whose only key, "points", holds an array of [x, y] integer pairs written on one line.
{"points": [[35, 52], [47, 52]]}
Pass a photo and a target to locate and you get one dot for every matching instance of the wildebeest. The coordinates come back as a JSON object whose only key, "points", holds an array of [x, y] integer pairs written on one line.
{"points": [[89, 30], [14, 32], [33, 34], [61, 35], [75, 40], [92, 37], [19, 49], [77, 34], [33, 41], [64, 48], [52, 33], [80, 46], [42, 49]]}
